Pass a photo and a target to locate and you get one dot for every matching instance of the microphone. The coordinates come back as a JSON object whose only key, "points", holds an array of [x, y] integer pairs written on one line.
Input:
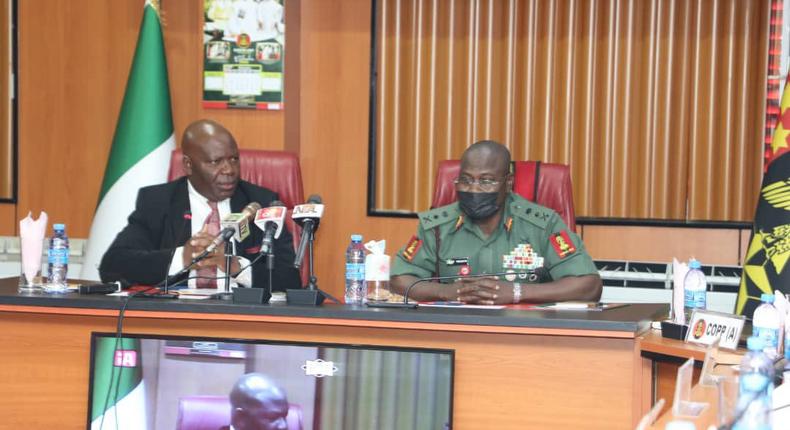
{"points": [[531, 275], [308, 216], [110, 287], [271, 221], [238, 223], [228, 232]]}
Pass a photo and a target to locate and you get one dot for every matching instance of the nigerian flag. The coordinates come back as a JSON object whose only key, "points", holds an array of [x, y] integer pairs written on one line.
{"points": [[765, 267], [142, 144], [118, 398]]}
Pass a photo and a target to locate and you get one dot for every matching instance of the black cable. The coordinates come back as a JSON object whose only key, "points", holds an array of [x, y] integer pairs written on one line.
{"points": [[115, 381]]}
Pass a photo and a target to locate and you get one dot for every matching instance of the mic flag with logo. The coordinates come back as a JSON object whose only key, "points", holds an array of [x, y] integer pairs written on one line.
{"points": [[765, 267]]}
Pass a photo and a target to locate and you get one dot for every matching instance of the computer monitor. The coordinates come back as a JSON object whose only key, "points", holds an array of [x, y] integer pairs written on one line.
{"points": [[185, 383]]}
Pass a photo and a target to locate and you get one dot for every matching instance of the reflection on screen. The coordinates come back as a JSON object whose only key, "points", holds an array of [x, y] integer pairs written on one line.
{"points": [[154, 382]]}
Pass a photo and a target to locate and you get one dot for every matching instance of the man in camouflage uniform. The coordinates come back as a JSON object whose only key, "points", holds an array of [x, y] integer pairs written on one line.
{"points": [[492, 230]]}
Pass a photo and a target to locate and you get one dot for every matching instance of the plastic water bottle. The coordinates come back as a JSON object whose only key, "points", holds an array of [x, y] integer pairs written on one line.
{"points": [[755, 388], [695, 288], [766, 325], [355, 271], [58, 257]]}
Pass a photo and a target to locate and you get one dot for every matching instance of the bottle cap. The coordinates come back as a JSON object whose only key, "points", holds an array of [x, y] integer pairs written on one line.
{"points": [[694, 264], [755, 343], [356, 238], [766, 298], [59, 226]]}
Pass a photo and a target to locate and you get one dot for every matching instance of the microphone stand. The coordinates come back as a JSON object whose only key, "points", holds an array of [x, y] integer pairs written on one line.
{"points": [[270, 269], [311, 295], [227, 294]]}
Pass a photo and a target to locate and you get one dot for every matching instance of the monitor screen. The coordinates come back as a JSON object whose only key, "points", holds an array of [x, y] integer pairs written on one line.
{"points": [[191, 383]]}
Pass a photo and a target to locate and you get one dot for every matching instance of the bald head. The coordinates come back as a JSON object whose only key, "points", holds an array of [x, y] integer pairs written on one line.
{"points": [[210, 159], [489, 154], [200, 131], [258, 403]]}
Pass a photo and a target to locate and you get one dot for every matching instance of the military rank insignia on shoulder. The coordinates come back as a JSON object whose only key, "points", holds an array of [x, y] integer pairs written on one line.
{"points": [[562, 244], [434, 217], [411, 248]]}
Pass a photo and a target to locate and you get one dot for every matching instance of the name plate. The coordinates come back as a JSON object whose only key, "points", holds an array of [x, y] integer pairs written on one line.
{"points": [[705, 327]]}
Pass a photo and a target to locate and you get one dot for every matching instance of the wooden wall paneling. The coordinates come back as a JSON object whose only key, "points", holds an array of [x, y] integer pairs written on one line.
{"points": [[292, 124], [8, 220], [334, 133], [726, 124], [661, 244], [69, 98]]}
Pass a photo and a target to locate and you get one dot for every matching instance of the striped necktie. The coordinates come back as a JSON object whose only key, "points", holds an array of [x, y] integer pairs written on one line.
{"points": [[208, 275]]}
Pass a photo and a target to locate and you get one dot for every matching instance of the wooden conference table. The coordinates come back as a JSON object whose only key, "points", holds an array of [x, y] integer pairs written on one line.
{"points": [[514, 368]]}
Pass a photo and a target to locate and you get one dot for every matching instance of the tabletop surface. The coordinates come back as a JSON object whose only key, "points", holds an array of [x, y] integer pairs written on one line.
{"points": [[633, 318]]}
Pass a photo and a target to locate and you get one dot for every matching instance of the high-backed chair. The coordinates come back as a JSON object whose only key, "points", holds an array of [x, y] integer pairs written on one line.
{"points": [[278, 171], [213, 412], [546, 184]]}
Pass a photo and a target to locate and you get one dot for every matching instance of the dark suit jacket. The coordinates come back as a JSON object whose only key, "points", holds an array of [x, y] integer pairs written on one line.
{"points": [[142, 251]]}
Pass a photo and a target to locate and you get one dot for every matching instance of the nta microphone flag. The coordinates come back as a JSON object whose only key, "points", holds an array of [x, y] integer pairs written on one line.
{"points": [[142, 144], [765, 267]]}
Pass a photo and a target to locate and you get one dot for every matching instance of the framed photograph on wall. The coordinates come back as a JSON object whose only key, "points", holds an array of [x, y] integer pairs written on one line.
{"points": [[243, 54]]}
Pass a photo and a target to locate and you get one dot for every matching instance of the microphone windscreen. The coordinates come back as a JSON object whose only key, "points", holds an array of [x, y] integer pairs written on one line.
{"points": [[276, 203], [315, 199], [251, 208]]}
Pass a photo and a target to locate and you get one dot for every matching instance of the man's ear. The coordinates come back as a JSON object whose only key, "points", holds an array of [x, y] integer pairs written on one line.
{"points": [[509, 182], [187, 163]]}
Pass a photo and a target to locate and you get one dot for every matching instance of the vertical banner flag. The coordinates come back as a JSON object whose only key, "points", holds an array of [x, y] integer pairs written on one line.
{"points": [[142, 144], [765, 266], [118, 398]]}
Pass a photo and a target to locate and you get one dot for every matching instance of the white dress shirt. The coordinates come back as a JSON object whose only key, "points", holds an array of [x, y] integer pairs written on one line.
{"points": [[200, 211]]}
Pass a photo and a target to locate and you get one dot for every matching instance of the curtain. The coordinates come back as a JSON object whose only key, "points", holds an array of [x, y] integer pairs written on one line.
{"points": [[656, 105]]}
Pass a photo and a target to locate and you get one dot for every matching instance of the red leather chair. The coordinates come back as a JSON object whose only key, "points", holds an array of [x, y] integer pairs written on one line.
{"points": [[213, 412], [278, 171], [546, 184]]}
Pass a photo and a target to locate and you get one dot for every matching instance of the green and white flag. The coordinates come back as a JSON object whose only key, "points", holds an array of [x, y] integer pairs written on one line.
{"points": [[142, 144], [118, 400]]}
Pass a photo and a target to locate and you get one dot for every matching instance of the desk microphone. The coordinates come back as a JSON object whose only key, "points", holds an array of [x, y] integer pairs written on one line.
{"points": [[308, 216], [530, 275], [246, 214], [270, 220]]}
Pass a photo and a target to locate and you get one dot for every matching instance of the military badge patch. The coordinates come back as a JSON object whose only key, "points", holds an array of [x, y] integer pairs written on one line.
{"points": [[562, 243], [411, 248]]}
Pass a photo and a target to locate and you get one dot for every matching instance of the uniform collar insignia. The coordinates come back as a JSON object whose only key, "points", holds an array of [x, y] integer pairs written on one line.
{"points": [[459, 222], [509, 224]]}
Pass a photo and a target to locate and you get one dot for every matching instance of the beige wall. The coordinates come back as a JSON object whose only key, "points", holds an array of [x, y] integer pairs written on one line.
{"points": [[70, 96]]}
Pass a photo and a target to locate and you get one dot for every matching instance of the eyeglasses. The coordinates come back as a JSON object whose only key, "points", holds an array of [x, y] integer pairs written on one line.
{"points": [[486, 184]]}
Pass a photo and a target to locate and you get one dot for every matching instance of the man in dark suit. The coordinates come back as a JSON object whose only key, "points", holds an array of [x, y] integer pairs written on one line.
{"points": [[257, 403], [174, 222]]}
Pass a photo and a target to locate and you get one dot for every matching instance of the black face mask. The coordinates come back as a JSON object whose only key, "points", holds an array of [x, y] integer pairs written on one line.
{"points": [[478, 206]]}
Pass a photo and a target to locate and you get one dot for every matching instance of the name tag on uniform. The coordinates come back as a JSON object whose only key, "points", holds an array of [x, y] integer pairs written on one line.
{"points": [[457, 261], [706, 327]]}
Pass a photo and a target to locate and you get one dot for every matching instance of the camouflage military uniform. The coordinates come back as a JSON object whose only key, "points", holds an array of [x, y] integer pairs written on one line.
{"points": [[529, 235]]}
